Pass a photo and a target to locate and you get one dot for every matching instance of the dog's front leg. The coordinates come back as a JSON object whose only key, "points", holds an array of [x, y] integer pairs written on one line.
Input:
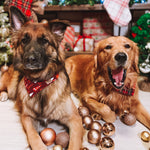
{"points": [[75, 132], [142, 115], [33, 137], [104, 110]]}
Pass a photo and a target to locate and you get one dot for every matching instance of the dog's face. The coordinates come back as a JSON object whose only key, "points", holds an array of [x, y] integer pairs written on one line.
{"points": [[115, 57], [36, 49]]}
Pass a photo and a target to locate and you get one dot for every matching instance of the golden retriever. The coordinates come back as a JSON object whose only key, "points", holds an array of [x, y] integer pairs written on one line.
{"points": [[106, 81]]}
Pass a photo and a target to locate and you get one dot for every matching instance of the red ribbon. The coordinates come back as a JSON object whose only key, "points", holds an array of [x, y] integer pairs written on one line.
{"points": [[80, 37]]}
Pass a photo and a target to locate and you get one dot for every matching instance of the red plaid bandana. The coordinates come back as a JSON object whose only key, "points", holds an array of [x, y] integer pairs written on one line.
{"points": [[23, 5], [127, 91], [35, 87]]}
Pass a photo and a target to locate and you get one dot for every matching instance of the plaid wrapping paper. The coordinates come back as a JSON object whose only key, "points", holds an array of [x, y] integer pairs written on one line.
{"points": [[118, 11], [23, 5]]}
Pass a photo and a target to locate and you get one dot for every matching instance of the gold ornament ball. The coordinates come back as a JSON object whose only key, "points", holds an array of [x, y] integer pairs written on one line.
{"points": [[128, 118], [62, 139], [96, 116], [57, 147], [87, 121], [107, 143], [145, 136], [93, 136], [83, 111], [108, 129], [96, 125], [48, 136]]}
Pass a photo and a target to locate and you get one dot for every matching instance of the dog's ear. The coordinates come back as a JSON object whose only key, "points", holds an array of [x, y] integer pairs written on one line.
{"points": [[17, 18], [58, 27]]}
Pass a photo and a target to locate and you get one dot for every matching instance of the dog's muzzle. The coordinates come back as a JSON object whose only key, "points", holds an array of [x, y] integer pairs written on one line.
{"points": [[118, 75], [33, 61]]}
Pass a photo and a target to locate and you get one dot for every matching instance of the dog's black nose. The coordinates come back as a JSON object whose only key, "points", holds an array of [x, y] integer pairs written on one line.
{"points": [[121, 57]]}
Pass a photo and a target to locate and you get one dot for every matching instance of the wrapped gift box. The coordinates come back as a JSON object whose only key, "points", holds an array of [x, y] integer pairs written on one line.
{"points": [[98, 28], [84, 43]]}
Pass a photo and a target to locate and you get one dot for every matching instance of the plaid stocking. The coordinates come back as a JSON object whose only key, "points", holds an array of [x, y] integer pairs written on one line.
{"points": [[118, 11], [23, 5]]}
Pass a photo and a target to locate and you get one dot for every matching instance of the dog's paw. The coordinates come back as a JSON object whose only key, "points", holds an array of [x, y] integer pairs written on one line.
{"points": [[3, 96], [110, 117]]}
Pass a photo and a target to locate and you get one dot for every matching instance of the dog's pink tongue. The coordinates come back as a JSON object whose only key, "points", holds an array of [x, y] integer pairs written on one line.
{"points": [[117, 75]]}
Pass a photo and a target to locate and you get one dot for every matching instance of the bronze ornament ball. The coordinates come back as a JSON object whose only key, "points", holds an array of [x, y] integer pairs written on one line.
{"points": [[48, 136], [96, 125], [96, 116], [87, 121], [62, 139], [57, 147], [108, 129], [83, 111], [93, 136], [145, 136], [128, 119], [107, 143]]}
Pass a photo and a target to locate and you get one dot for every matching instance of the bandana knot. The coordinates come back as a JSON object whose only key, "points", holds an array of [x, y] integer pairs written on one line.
{"points": [[35, 87]]}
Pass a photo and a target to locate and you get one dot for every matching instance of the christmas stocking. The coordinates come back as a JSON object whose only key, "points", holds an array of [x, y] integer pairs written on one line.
{"points": [[118, 11], [23, 5]]}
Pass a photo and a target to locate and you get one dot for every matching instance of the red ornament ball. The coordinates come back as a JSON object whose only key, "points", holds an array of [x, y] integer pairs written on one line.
{"points": [[48, 136], [62, 139]]}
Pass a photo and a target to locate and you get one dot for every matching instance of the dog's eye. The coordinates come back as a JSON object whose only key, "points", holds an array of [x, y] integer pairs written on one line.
{"points": [[108, 47], [43, 40], [25, 39], [127, 46]]}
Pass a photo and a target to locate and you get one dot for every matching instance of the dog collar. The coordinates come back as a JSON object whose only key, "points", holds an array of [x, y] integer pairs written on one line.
{"points": [[127, 91], [35, 87]]}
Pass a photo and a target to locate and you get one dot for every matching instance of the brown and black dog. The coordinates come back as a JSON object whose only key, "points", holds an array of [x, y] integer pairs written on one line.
{"points": [[39, 81], [106, 82]]}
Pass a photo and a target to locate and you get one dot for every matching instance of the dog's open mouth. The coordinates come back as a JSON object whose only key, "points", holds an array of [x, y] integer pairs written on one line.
{"points": [[117, 77]]}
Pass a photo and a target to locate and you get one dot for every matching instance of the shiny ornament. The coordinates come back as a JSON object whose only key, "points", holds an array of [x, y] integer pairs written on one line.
{"points": [[83, 111], [96, 116], [4, 32], [107, 143], [108, 129], [48, 136], [4, 68], [93, 136], [87, 121], [57, 147], [96, 125], [145, 136], [62, 139], [128, 118]]}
